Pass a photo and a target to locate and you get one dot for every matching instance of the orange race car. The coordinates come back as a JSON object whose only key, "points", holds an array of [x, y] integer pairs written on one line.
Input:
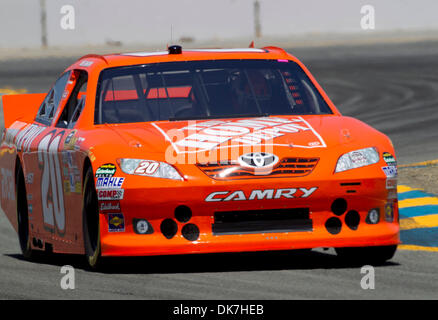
{"points": [[194, 151]]}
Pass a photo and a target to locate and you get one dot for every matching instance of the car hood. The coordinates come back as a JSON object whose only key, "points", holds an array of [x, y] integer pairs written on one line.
{"points": [[304, 135]]}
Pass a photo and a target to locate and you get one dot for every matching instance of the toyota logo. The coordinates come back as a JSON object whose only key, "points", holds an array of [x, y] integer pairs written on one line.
{"points": [[258, 160]]}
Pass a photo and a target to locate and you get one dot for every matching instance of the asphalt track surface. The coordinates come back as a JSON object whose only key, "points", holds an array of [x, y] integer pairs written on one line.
{"points": [[391, 87]]}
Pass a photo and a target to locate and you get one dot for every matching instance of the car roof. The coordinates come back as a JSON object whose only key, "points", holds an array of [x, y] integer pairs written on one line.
{"points": [[138, 58]]}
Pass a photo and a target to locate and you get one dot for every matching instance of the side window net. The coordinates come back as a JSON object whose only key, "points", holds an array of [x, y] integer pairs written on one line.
{"points": [[73, 107], [51, 103]]}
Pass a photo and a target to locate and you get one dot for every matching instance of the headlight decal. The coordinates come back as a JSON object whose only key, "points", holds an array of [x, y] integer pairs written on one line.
{"points": [[357, 159], [149, 168]]}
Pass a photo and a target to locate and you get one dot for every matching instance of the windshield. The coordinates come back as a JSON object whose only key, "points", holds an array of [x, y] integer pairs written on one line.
{"points": [[205, 89]]}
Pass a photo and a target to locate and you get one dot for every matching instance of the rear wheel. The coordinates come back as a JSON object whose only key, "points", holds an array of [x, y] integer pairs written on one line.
{"points": [[22, 214], [368, 255], [91, 225]]}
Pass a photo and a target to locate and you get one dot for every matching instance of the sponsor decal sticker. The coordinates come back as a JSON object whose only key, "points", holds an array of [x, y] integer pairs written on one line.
{"points": [[109, 206], [71, 173], [78, 188], [389, 212], [26, 136], [392, 194], [389, 159], [268, 194], [391, 183], [86, 63], [70, 141], [208, 135], [106, 170], [110, 194], [116, 222], [390, 171], [77, 145], [8, 184], [91, 155], [110, 182]]}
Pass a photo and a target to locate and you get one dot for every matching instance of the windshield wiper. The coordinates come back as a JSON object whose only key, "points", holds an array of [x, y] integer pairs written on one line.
{"points": [[251, 115]]}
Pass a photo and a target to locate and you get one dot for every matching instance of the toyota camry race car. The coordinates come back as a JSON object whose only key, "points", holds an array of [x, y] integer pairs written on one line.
{"points": [[194, 151]]}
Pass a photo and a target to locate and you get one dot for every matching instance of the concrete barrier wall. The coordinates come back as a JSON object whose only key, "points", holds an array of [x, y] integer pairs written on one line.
{"points": [[136, 21]]}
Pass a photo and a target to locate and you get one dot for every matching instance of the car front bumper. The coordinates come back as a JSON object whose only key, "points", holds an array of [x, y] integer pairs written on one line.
{"points": [[229, 222]]}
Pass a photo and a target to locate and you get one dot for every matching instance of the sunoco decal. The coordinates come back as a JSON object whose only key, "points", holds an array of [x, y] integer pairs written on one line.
{"points": [[389, 212], [116, 222]]}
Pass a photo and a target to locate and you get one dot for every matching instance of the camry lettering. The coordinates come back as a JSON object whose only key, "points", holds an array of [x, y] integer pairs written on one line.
{"points": [[261, 194], [212, 196], [239, 195], [236, 196], [286, 193], [306, 192]]}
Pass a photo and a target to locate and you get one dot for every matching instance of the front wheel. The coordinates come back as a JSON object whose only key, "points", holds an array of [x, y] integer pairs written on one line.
{"points": [[368, 255], [91, 224]]}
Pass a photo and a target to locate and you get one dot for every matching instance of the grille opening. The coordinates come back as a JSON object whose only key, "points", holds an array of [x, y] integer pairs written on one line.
{"points": [[190, 232], [286, 167], [339, 206], [169, 228], [352, 219], [261, 221], [333, 225], [183, 214], [346, 184]]}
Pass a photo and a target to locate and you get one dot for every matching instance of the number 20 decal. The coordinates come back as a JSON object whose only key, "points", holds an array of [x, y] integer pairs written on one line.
{"points": [[146, 168], [51, 183]]}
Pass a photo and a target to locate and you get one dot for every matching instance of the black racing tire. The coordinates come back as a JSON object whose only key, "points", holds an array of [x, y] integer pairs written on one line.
{"points": [[367, 255], [91, 224], [23, 214]]}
